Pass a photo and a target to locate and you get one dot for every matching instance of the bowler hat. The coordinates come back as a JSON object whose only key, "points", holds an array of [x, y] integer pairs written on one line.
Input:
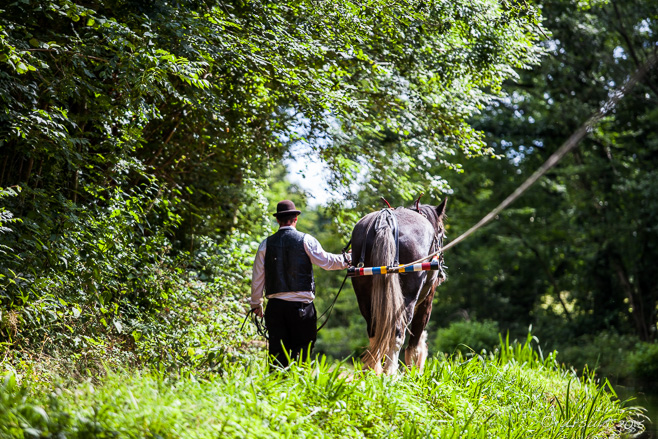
{"points": [[286, 207]]}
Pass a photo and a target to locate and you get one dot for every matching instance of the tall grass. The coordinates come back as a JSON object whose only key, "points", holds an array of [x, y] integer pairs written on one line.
{"points": [[515, 393]]}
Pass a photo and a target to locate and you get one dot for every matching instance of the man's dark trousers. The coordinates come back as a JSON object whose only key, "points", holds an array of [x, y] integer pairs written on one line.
{"points": [[292, 328]]}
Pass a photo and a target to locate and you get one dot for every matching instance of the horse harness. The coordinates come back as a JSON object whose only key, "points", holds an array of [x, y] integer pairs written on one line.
{"points": [[387, 215]]}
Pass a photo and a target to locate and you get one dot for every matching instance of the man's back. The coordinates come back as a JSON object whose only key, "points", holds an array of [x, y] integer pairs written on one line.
{"points": [[287, 265]]}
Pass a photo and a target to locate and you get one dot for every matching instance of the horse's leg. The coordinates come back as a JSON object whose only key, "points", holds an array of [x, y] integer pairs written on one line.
{"points": [[369, 360], [362, 288], [392, 356], [416, 352]]}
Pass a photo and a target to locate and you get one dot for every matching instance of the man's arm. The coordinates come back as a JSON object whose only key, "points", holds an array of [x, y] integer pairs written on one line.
{"points": [[323, 259], [258, 280]]}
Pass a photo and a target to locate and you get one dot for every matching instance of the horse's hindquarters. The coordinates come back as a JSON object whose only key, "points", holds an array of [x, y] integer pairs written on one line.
{"points": [[393, 304]]}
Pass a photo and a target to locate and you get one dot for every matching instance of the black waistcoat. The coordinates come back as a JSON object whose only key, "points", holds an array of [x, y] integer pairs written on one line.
{"points": [[287, 266]]}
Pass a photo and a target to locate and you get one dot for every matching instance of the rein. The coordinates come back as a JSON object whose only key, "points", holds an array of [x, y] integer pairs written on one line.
{"points": [[261, 329], [331, 307]]}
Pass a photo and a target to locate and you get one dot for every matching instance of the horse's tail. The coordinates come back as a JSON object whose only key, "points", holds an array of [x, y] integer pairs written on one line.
{"points": [[387, 307]]}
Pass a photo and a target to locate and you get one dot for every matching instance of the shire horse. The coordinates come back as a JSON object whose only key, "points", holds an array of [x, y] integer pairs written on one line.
{"points": [[394, 304]]}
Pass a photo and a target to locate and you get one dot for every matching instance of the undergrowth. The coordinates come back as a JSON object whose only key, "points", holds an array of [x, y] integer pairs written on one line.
{"points": [[191, 325], [512, 393]]}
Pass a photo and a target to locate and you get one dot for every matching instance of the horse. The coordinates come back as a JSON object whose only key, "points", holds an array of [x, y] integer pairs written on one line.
{"points": [[393, 304]]}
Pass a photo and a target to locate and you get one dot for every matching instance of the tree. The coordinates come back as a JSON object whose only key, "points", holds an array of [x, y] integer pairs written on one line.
{"points": [[573, 254], [139, 130]]}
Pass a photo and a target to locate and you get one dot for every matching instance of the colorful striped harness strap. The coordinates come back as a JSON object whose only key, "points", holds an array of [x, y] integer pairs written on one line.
{"points": [[434, 264]]}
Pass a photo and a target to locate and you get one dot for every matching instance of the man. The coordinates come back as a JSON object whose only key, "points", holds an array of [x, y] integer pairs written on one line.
{"points": [[284, 269]]}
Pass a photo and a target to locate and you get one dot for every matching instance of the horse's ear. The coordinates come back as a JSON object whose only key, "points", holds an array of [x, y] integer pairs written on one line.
{"points": [[417, 204], [441, 208]]}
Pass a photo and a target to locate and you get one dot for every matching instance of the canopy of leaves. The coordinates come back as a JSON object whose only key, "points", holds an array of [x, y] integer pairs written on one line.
{"points": [[575, 255], [141, 134]]}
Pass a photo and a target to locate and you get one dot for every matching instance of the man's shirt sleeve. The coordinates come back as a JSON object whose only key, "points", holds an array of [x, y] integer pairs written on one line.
{"points": [[258, 276], [319, 257]]}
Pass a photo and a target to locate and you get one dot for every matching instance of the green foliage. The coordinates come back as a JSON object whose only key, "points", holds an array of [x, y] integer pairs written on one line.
{"points": [[101, 261], [197, 325], [644, 363], [142, 137], [169, 318], [7, 276], [572, 257], [509, 395], [467, 337], [606, 353], [6, 217], [142, 144], [23, 417], [621, 358], [523, 353]]}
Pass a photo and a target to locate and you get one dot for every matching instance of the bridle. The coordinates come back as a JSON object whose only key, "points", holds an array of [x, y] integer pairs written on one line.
{"points": [[261, 329]]}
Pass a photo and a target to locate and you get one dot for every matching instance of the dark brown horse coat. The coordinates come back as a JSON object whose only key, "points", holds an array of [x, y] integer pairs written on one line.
{"points": [[394, 304]]}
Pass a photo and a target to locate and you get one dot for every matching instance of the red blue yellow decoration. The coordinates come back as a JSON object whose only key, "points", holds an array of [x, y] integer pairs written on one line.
{"points": [[370, 271]]}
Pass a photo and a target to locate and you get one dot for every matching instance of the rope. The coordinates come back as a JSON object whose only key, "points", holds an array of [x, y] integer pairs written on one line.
{"points": [[566, 147], [261, 329], [331, 307]]}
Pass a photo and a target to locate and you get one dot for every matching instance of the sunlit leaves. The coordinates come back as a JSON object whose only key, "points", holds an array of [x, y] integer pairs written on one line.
{"points": [[139, 130]]}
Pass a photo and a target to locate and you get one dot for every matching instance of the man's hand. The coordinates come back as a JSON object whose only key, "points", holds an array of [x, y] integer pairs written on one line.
{"points": [[347, 257], [257, 310]]}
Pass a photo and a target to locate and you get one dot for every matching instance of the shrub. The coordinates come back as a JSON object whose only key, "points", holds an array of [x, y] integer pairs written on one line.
{"points": [[467, 337], [162, 314], [605, 353], [644, 364]]}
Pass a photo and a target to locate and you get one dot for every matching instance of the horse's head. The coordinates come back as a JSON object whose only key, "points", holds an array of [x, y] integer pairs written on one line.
{"points": [[434, 214]]}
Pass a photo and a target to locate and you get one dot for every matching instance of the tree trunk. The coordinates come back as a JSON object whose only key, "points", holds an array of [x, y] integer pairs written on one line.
{"points": [[635, 300], [4, 167], [75, 186], [549, 275], [30, 163]]}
